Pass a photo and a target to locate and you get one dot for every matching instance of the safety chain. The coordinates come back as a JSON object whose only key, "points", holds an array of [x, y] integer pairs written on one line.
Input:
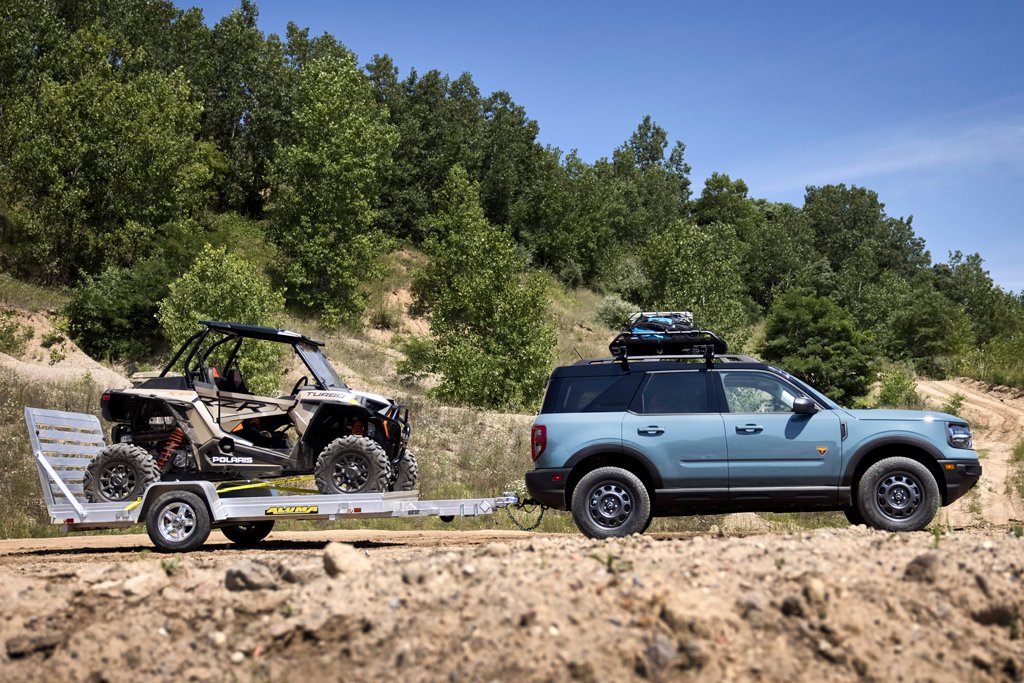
{"points": [[529, 506]]}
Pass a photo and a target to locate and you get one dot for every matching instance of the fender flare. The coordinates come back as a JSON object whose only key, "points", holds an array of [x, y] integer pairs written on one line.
{"points": [[897, 440], [618, 449]]}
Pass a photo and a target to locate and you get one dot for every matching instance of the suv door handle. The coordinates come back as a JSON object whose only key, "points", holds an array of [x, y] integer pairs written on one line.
{"points": [[749, 429], [650, 430]]}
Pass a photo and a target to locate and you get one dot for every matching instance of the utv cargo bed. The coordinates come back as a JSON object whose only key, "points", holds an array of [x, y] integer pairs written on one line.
{"points": [[178, 515]]}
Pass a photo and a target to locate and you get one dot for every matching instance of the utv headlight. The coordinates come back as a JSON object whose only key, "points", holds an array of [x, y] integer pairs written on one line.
{"points": [[959, 435]]}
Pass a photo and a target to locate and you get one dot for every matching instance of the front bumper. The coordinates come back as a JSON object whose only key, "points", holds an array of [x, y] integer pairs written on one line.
{"points": [[548, 486], [960, 479]]}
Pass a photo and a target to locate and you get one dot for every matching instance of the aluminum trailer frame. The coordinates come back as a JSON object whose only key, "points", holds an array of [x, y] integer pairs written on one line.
{"points": [[63, 443]]}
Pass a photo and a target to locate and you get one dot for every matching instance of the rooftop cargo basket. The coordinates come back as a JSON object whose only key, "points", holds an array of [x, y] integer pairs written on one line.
{"points": [[656, 333]]}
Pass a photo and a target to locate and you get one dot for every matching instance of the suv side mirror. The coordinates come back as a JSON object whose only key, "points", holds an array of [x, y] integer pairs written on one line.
{"points": [[804, 406]]}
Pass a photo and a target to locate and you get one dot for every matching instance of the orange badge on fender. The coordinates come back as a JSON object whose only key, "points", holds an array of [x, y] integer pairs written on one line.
{"points": [[822, 450]]}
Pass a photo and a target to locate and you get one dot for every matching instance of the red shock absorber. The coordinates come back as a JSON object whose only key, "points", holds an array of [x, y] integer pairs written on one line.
{"points": [[358, 429], [172, 444]]}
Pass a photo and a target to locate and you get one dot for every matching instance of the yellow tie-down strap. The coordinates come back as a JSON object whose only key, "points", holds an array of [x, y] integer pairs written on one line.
{"points": [[233, 486]]}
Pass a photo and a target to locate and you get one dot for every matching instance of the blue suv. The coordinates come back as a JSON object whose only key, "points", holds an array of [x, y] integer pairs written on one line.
{"points": [[621, 440]]}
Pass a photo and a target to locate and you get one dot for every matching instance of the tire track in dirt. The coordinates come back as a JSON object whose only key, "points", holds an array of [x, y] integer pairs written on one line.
{"points": [[996, 415]]}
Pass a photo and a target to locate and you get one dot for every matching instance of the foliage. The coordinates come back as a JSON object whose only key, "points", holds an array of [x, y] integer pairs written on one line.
{"points": [[614, 311], [899, 389], [326, 184], [488, 316], [102, 170], [696, 268], [13, 335], [222, 286], [1000, 361], [954, 405], [815, 339]]}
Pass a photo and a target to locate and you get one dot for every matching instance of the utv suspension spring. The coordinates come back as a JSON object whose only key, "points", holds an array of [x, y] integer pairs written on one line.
{"points": [[172, 444]]}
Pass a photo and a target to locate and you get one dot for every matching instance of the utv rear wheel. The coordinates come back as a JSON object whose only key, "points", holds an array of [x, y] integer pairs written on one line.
{"points": [[611, 502], [407, 474], [247, 535], [352, 464], [898, 494], [119, 472]]}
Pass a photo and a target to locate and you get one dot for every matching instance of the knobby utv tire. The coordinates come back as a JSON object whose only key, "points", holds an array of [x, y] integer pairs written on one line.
{"points": [[178, 522], [407, 472], [611, 502], [352, 464], [248, 534], [118, 473], [898, 494]]}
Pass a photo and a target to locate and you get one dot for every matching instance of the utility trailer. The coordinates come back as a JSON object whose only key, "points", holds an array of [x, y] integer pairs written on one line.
{"points": [[179, 515]]}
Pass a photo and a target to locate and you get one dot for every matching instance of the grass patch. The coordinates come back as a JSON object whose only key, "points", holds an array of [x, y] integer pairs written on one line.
{"points": [[29, 296], [1016, 479]]}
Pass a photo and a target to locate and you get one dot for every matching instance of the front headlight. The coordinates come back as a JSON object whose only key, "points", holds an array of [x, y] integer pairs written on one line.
{"points": [[959, 435]]}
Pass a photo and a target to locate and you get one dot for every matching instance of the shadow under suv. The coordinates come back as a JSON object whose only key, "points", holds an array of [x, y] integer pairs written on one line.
{"points": [[621, 440]]}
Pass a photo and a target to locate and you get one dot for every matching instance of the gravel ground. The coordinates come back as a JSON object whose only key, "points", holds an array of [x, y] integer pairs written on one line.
{"points": [[828, 605]]}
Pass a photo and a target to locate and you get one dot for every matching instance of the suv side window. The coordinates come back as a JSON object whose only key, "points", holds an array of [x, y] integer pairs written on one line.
{"points": [[673, 393], [757, 392]]}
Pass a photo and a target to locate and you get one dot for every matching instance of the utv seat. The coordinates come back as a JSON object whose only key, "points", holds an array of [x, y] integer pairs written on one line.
{"points": [[233, 383]]}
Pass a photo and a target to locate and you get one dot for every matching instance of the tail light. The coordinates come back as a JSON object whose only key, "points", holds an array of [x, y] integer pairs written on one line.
{"points": [[538, 440]]}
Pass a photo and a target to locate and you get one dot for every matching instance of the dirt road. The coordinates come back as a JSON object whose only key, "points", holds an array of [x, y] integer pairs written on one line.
{"points": [[996, 415]]}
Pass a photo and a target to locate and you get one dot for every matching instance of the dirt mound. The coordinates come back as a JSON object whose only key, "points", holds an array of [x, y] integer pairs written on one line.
{"points": [[832, 605]]}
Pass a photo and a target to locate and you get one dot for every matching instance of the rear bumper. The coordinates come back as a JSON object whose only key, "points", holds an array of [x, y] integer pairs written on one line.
{"points": [[548, 486], [960, 479]]}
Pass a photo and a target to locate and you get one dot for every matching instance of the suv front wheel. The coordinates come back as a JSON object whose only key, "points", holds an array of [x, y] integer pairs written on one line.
{"points": [[610, 502], [898, 494]]}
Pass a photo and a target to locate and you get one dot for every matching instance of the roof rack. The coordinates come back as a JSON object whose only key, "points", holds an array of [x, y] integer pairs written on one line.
{"points": [[725, 358], [657, 333]]}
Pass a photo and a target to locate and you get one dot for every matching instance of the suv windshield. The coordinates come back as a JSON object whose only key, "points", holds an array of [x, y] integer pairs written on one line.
{"points": [[316, 361]]}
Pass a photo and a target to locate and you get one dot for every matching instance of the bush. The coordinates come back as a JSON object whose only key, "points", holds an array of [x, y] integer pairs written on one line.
{"points": [[899, 389], [614, 311], [13, 335], [954, 405], [222, 286], [113, 315], [817, 340]]}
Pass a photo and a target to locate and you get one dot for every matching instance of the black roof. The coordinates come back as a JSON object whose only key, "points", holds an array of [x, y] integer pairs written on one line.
{"points": [[271, 334], [612, 366]]}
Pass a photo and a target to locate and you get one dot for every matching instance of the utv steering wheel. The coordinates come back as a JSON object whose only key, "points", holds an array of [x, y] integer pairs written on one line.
{"points": [[303, 381]]}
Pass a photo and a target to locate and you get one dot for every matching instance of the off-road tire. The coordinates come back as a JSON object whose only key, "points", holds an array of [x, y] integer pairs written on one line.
{"points": [[406, 473], [611, 502], [352, 464], [247, 535], [898, 494], [178, 522], [118, 473]]}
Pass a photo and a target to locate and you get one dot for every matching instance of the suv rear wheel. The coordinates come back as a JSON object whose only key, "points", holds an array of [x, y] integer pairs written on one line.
{"points": [[898, 494], [611, 502]]}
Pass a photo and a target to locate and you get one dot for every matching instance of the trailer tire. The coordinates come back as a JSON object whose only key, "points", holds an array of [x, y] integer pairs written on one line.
{"points": [[352, 464], [118, 473], [178, 522], [407, 472], [247, 535]]}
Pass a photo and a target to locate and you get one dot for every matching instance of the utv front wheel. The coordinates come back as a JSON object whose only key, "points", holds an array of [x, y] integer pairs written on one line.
{"points": [[610, 502], [898, 494], [352, 464], [119, 472]]}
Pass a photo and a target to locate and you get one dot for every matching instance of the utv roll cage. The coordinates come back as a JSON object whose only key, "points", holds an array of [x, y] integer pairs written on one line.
{"points": [[195, 363]]}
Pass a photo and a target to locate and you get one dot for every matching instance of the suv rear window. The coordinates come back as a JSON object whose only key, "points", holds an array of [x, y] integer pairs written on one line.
{"points": [[591, 394], [673, 393]]}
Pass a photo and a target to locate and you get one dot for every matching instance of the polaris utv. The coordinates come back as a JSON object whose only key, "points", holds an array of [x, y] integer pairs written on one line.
{"points": [[195, 420]]}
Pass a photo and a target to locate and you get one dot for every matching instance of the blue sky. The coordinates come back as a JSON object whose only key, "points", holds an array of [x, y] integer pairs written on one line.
{"points": [[921, 101]]}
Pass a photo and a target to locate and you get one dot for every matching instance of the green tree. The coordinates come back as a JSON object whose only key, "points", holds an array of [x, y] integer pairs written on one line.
{"points": [[222, 286], [493, 341], [992, 311], [326, 188], [697, 268], [104, 170], [818, 341]]}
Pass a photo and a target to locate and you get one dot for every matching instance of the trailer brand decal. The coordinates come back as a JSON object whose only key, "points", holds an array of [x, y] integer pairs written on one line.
{"points": [[292, 510], [231, 460]]}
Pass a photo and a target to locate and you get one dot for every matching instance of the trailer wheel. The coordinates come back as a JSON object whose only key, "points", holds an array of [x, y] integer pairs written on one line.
{"points": [[407, 474], [247, 535], [352, 464], [119, 472], [178, 522]]}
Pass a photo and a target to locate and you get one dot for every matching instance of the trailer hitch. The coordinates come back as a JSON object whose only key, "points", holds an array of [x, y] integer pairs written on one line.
{"points": [[526, 509]]}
